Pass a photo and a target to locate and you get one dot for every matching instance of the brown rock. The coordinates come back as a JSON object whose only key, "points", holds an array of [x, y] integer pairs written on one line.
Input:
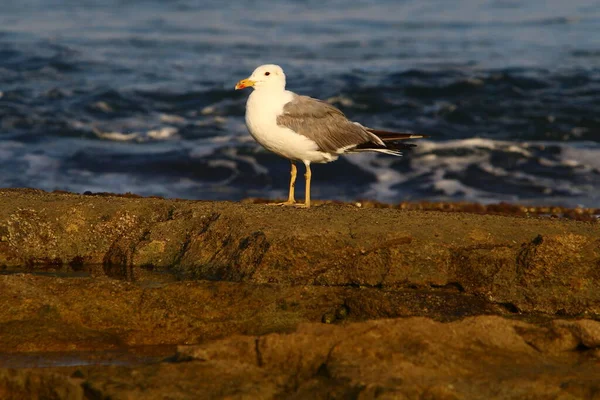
{"points": [[479, 357], [286, 303], [80, 314], [527, 264], [34, 385]]}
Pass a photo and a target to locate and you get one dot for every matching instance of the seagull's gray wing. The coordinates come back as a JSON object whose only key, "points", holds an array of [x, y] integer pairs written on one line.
{"points": [[324, 124]]}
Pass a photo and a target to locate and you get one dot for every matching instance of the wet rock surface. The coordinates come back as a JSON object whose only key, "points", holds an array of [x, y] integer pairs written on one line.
{"points": [[266, 302]]}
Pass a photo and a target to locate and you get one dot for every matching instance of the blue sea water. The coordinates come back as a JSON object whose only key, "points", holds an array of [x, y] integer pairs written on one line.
{"points": [[137, 96]]}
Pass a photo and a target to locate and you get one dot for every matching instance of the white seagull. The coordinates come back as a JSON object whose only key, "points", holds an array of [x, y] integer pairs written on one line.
{"points": [[301, 128]]}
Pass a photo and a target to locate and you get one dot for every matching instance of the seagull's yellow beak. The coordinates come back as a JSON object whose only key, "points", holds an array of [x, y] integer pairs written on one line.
{"points": [[244, 83]]}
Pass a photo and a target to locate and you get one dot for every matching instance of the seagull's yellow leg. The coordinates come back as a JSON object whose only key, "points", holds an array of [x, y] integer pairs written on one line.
{"points": [[293, 172], [307, 177], [291, 199]]}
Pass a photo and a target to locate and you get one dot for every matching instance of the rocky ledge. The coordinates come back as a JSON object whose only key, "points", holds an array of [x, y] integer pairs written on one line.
{"points": [[128, 297]]}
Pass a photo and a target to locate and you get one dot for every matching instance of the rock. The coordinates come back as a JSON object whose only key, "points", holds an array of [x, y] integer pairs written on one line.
{"points": [[34, 385], [526, 264], [45, 314], [263, 303], [478, 357]]}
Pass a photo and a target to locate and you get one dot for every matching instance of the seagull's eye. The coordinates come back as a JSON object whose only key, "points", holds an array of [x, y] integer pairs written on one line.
{"points": [[267, 73]]}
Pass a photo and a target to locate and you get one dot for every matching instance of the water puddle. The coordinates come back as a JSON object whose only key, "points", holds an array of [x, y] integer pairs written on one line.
{"points": [[142, 275], [123, 357]]}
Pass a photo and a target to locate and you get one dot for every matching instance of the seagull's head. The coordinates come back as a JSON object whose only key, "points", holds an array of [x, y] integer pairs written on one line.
{"points": [[268, 76]]}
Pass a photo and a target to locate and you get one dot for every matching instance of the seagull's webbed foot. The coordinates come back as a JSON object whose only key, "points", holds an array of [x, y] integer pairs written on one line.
{"points": [[285, 203]]}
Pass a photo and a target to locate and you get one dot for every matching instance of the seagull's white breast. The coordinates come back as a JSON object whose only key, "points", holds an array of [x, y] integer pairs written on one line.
{"points": [[262, 110]]}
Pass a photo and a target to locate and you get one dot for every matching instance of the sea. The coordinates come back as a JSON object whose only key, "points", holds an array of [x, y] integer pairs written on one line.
{"points": [[138, 96]]}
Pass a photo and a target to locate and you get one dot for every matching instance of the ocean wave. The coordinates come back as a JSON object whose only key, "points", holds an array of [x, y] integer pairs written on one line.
{"points": [[489, 171], [137, 104], [153, 134]]}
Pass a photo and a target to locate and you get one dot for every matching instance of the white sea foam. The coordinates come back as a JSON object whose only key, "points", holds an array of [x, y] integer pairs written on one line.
{"points": [[386, 176], [453, 187], [208, 110], [172, 119], [118, 136], [488, 170], [40, 163], [586, 154], [103, 106], [8, 149], [162, 133], [211, 121], [234, 153]]}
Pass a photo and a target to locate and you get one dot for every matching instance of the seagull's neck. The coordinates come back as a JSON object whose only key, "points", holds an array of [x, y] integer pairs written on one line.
{"points": [[270, 98], [269, 91]]}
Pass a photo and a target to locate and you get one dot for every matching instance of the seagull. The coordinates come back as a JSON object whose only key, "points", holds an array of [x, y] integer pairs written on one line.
{"points": [[301, 128]]}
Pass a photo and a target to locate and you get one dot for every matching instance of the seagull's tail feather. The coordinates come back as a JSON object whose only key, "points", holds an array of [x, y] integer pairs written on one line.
{"points": [[386, 142], [384, 151], [391, 136], [391, 148]]}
